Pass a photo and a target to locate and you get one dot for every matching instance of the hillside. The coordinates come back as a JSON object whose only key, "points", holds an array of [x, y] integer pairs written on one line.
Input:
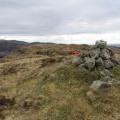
{"points": [[39, 82], [7, 46]]}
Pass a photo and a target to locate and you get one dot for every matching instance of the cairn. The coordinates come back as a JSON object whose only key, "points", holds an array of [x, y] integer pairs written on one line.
{"points": [[98, 56], [102, 58]]}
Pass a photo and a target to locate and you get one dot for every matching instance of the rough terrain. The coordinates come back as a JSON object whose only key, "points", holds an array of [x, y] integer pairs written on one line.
{"points": [[39, 82]]}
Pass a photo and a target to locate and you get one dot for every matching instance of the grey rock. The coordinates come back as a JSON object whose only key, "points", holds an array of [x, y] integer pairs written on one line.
{"points": [[108, 64], [110, 51], [99, 85], [89, 63], [107, 78], [77, 61], [115, 61], [106, 73], [114, 82], [101, 44], [111, 81], [105, 54], [82, 67], [95, 53], [99, 62]]}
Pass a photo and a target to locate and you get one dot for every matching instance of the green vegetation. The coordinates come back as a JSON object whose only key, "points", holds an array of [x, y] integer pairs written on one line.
{"points": [[116, 72]]}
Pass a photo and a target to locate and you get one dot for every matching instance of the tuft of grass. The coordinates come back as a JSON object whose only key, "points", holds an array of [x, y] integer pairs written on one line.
{"points": [[60, 113], [116, 72], [58, 90], [69, 72]]}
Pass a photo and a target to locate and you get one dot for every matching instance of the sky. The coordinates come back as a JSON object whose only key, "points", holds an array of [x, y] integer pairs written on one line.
{"points": [[60, 21]]}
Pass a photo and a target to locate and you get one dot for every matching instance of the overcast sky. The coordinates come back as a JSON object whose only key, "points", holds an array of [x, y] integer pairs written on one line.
{"points": [[60, 20]]}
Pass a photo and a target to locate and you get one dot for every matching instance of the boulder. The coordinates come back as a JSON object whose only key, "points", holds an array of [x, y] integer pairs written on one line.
{"points": [[94, 53], [77, 61], [108, 64], [82, 67], [99, 85], [89, 63], [99, 62], [105, 54], [101, 44], [108, 82]]}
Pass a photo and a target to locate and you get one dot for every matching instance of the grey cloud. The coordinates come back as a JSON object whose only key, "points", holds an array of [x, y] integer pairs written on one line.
{"points": [[43, 17]]}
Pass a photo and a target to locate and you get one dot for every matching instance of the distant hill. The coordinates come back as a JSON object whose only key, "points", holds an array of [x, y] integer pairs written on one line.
{"points": [[115, 45], [34, 43], [7, 46]]}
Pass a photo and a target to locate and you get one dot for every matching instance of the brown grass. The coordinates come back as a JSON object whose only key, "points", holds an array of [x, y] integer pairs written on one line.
{"points": [[55, 91]]}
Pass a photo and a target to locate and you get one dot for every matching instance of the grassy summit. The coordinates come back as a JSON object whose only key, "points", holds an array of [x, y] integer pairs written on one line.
{"points": [[44, 85]]}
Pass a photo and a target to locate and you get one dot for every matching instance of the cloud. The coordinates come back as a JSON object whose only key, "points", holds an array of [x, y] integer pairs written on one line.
{"points": [[59, 17]]}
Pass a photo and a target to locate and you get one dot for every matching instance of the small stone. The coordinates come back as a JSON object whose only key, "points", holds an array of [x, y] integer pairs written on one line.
{"points": [[106, 73], [99, 85], [114, 82], [115, 61]]}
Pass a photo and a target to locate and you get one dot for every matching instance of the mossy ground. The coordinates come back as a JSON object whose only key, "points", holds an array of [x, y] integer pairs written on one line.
{"points": [[116, 72], [60, 88]]}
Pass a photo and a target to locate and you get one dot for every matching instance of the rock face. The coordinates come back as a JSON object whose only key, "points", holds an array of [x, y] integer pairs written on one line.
{"points": [[99, 56]]}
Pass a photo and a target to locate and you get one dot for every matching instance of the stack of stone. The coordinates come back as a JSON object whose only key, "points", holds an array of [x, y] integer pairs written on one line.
{"points": [[102, 58], [98, 56]]}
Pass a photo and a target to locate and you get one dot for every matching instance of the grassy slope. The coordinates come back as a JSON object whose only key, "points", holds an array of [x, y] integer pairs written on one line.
{"points": [[60, 89]]}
